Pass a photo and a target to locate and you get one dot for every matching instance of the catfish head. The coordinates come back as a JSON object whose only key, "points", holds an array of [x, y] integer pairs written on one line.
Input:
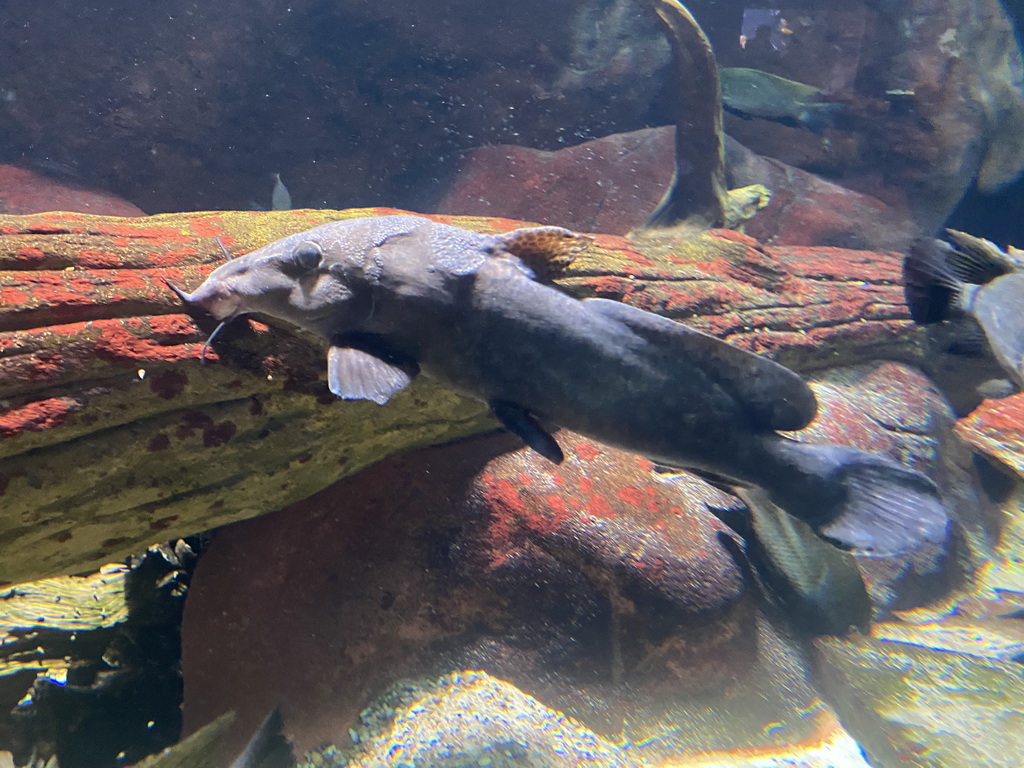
{"points": [[290, 280]]}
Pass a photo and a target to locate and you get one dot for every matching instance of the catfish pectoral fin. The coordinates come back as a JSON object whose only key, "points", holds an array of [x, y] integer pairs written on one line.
{"points": [[521, 422], [353, 374], [932, 289]]}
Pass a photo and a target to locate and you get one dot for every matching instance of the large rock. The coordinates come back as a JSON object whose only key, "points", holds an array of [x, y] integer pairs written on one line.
{"points": [[100, 374], [23, 191], [917, 701], [573, 582], [613, 184], [599, 580]]}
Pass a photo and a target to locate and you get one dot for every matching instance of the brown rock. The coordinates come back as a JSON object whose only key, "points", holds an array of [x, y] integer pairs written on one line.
{"points": [[23, 191], [614, 183], [610, 184], [586, 581]]}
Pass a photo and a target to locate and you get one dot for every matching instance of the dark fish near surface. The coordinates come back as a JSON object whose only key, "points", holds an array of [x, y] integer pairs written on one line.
{"points": [[753, 93], [976, 280], [397, 295], [267, 748]]}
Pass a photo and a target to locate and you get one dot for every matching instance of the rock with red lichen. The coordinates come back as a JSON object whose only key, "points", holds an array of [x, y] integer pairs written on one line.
{"points": [[598, 586], [23, 191], [100, 372], [997, 429]]}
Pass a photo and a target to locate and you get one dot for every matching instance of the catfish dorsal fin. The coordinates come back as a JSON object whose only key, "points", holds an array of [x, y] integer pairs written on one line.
{"points": [[771, 394], [548, 251]]}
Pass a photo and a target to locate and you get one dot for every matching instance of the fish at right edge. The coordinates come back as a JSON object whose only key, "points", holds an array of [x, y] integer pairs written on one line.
{"points": [[974, 280]]}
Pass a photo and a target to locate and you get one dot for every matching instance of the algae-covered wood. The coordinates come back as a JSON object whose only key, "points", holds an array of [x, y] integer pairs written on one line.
{"points": [[113, 434]]}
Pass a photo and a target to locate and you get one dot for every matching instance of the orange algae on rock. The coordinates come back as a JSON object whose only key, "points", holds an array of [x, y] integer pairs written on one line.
{"points": [[996, 428]]}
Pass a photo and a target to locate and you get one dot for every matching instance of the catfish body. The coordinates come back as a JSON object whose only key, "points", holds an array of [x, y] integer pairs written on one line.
{"points": [[454, 305], [397, 295]]}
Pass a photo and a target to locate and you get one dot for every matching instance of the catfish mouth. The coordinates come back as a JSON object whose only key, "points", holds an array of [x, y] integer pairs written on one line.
{"points": [[221, 302]]}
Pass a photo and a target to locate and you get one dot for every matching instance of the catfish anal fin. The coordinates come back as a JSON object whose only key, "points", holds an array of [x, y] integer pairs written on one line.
{"points": [[819, 585], [354, 374], [521, 422]]}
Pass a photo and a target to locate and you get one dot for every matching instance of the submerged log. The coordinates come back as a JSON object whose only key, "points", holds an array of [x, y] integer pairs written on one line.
{"points": [[113, 435]]}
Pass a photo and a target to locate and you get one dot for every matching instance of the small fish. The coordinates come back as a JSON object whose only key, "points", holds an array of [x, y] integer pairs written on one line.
{"points": [[280, 198], [399, 295], [268, 747], [753, 93], [975, 280], [818, 585]]}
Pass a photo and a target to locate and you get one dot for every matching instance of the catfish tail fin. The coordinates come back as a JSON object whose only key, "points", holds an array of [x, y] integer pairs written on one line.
{"points": [[861, 501]]}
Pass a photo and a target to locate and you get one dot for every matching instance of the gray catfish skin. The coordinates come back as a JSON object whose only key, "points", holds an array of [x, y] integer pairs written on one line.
{"points": [[473, 317], [484, 327]]}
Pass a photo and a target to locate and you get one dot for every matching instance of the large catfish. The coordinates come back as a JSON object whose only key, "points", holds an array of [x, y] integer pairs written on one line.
{"points": [[400, 295]]}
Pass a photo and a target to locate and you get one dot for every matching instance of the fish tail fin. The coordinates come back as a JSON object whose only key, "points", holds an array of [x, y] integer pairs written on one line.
{"points": [[862, 501], [931, 288], [548, 251], [818, 117]]}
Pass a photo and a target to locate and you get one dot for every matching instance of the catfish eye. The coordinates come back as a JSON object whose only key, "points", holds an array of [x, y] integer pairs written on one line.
{"points": [[308, 255]]}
